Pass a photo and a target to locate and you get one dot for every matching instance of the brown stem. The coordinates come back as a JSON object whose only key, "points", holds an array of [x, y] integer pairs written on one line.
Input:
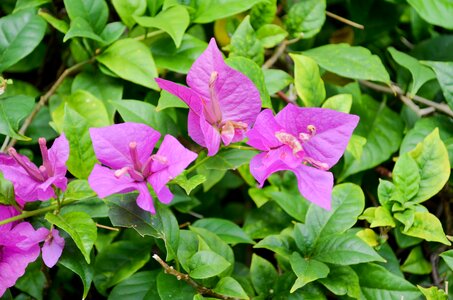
{"points": [[344, 20], [107, 227], [284, 97], [394, 89], [280, 50], [44, 98], [181, 276]]}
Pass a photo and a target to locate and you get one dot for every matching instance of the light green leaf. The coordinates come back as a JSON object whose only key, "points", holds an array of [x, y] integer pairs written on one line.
{"points": [[355, 146], [20, 34], [24, 4], [225, 229], [309, 85], [245, 42], [228, 286], [340, 102], [276, 80], [444, 73], [433, 293], [431, 157], [112, 32], [81, 28], [426, 226], [306, 18], [167, 100], [420, 73], [271, 35], [130, 60], [250, 69], [189, 184], [141, 285], [416, 263], [448, 258], [378, 217], [173, 21], [127, 9], [280, 244], [263, 275], [94, 12], [307, 270], [208, 11], [342, 280], [437, 12], [12, 111], [406, 176], [58, 24], [205, 264], [350, 61], [80, 227], [79, 190], [263, 13]]}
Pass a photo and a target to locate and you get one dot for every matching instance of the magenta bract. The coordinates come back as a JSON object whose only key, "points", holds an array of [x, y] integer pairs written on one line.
{"points": [[223, 102], [307, 141]]}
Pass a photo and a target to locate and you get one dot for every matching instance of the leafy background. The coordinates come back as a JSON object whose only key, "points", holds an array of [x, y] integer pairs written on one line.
{"points": [[76, 64]]}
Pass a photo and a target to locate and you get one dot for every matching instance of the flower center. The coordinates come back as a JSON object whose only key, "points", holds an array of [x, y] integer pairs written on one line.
{"points": [[33, 172], [212, 109]]}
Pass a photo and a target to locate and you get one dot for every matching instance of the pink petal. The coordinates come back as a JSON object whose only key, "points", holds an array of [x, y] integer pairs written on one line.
{"points": [[211, 137], [104, 182], [52, 248], [144, 199], [315, 185], [111, 143], [194, 128], [191, 98], [58, 155], [164, 195], [262, 135]]}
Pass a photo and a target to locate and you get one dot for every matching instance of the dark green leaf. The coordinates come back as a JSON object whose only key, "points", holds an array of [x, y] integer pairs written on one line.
{"points": [[33, 281], [307, 270], [94, 12], [140, 286], [170, 288], [205, 264], [228, 286], [416, 263], [12, 111], [342, 280], [225, 229], [444, 73], [263, 275]]}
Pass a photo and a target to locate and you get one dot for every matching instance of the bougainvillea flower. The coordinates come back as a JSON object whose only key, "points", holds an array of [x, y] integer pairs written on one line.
{"points": [[223, 103], [32, 183], [52, 247], [125, 150], [306, 141]]}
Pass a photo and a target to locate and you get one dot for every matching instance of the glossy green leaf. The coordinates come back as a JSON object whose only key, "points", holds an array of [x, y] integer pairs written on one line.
{"points": [[245, 42], [7, 196], [189, 184], [112, 32], [94, 12], [376, 282], [12, 111], [78, 189], [433, 293], [378, 217], [167, 100], [444, 74], [225, 229], [79, 226], [250, 69], [306, 18], [229, 159], [130, 60], [170, 288], [280, 244], [33, 281], [205, 264], [173, 21], [420, 73], [406, 176], [447, 256], [342, 280], [276, 80], [355, 146], [21, 33], [307, 270], [263, 275], [80, 27], [207, 12], [140, 286], [271, 35], [127, 9], [340, 102], [428, 227], [437, 12], [60, 25], [309, 85], [382, 129], [431, 157], [350, 61], [228, 286], [24, 4], [416, 263], [119, 261]]}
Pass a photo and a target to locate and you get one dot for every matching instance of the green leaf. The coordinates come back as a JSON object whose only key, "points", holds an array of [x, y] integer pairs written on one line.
{"points": [[119, 261], [263, 13], [7, 196], [21, 33], [382, 129], [143, 112], [173, 21], [170, 288], [205, 264], [263, 275], [437, 12], [271, 35], [448, 258], [167, 56], [431, 157], [79, 226], [24, 4], [228, 286], [378, 217], [245, 42], [306, 18], [81, 28], [141, 285], [406, 176], [229, 159], [342, 280], [444, 74], [420, 73], [344, 249], [292, 202], [207, 12], [428, 227], [355, 146], [433, 293], [189, 184], [250, 69], [276, 80], [78, 190], [112, 32], [307, 270], [167, 100], [58, 24], [12, 111], [72, 259], [94, 12], [81, 154], [340, 102], [350, 61], [377, 282], [127, 9], [225, 229], [309, 85], [33, 281], [416, 263], [130, 60]]}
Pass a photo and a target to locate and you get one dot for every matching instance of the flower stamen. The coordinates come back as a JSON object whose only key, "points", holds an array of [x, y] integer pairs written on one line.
{"points": [[45, 157], [289, 140], [32, 172]]}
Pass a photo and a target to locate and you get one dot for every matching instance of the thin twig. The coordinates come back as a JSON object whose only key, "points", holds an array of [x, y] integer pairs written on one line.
{"points": [[44, 98], [148, 35], [107, 227], [181, 276], [284, 97], [400, 93], [344, 20], [280, 50]]}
